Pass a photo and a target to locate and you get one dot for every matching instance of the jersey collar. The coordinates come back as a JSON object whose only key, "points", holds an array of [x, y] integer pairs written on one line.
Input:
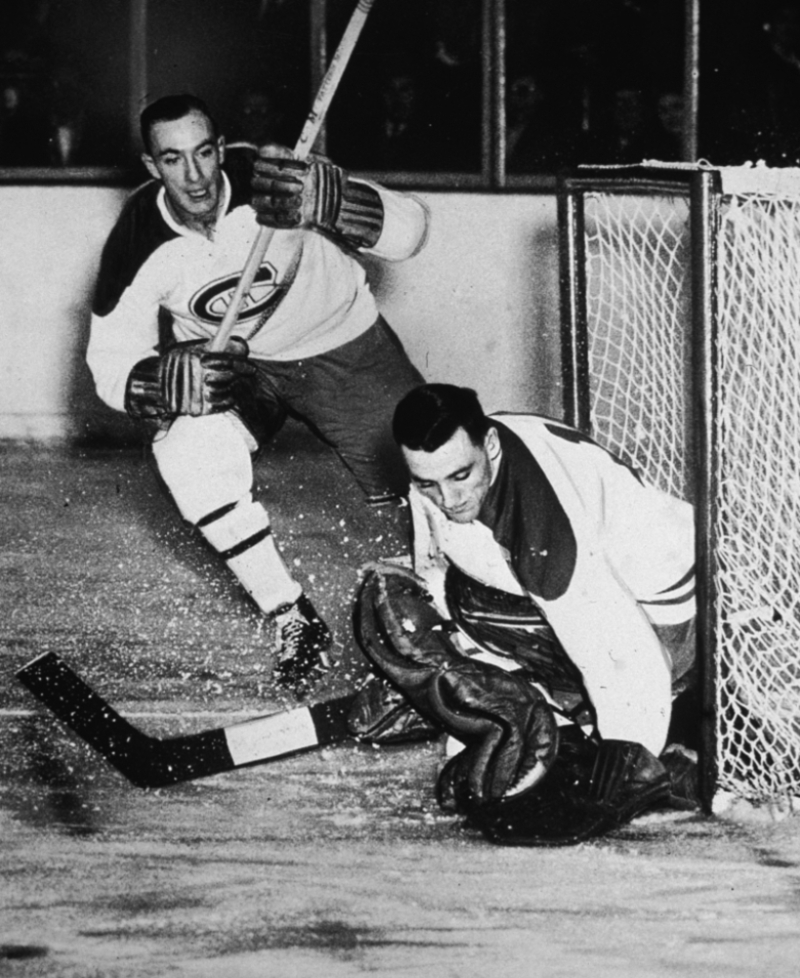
{"points": [[179, 228]]}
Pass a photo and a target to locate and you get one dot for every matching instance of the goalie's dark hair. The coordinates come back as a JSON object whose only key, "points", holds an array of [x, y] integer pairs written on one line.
{"points": [[168, 109], [430, 415]]}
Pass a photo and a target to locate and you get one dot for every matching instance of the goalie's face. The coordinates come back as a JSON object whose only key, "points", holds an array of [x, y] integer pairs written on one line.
{"points": [[457, 476]]}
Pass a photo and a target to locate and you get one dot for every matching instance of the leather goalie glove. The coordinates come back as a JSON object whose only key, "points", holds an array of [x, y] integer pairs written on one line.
{"points": [[507, 727], [520, 779], [591, 789], [316, 195], [189, 379]]}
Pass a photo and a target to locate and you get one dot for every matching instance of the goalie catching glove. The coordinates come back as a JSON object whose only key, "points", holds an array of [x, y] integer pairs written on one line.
{"points": [[316, 195], [521, 780], [189, 379], [509, 730]]}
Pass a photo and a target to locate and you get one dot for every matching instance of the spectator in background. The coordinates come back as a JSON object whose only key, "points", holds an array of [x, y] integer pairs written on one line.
{"points": [[453, 83], [404, 140], [536, 137], [26, 60], [777, 121], [262, 117], [627, 138], [68, 128], [23, 128], [667, 141], [759, 116]]}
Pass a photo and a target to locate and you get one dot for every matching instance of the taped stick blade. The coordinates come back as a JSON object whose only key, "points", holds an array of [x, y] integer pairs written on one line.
{"points": [[152, 762]]}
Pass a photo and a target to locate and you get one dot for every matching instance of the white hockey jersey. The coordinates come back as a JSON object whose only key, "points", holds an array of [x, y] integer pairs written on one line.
{"points": [[604, 556], [310, 294]]}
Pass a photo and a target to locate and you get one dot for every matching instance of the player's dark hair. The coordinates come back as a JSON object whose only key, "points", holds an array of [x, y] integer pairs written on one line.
{"points": [[168, 109], [430, 415]]}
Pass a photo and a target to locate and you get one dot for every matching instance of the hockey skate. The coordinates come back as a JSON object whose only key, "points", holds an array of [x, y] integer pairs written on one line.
{"points": [[302, 640]]}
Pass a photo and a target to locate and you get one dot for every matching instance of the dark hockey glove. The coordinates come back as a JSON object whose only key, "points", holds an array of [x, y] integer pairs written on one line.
{"points": [[506, 724], [189, 379], [380, 714], [317, 195], [590, 789]]}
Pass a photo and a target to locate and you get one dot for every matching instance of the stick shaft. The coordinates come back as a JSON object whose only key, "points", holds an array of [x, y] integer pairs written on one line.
{"points": [[313, 124]]}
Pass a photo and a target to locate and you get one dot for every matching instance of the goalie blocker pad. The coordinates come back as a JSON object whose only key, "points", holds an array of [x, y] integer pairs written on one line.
{"points": [[590, 790]]}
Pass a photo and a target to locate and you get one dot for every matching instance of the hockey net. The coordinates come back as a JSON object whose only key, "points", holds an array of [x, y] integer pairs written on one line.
{"points": [[640, 348]]}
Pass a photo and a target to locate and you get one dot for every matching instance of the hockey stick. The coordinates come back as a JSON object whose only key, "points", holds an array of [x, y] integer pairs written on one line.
{"points": [[150, 762], [311, 129]]}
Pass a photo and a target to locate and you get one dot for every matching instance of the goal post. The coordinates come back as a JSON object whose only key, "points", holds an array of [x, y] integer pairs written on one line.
{"points": [[680, 295]]}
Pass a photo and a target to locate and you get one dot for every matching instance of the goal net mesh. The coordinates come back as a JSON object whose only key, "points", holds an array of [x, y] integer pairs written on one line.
{"points": [[638, 298]]}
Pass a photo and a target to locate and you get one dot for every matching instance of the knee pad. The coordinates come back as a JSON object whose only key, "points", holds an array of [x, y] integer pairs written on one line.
{"points": [[205, 463]]}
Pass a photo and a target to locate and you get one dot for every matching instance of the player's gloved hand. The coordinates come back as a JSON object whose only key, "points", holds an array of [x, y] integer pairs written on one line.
{"points": [[314, 194], [289, 193], [189, 379]]}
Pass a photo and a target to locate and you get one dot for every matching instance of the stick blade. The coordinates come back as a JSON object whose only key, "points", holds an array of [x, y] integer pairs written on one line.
{"points": [[55, 685], [153, 762]]}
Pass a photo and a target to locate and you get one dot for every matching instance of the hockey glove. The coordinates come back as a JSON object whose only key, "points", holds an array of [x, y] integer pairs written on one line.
{"points": [[508, 728], [590, 790], [380, 714], [189, 379], [316, 195]]}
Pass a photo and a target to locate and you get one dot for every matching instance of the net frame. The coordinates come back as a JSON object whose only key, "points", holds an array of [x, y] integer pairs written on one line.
{"points": [[698, 367]]}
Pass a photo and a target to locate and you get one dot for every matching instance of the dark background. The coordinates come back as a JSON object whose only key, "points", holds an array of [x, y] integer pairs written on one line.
{"points": [[586, 80]]}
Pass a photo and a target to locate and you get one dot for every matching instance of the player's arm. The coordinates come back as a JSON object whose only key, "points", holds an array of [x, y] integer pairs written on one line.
{"points": [[318, 195], [125, 305], [133, 375], [125, 336]]}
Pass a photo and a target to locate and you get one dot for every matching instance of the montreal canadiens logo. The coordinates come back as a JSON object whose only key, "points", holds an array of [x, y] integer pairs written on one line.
{"points": [[210, 303]]}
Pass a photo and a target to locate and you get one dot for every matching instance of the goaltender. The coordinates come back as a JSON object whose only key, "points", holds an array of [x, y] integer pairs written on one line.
{"points": [[547, 623]]}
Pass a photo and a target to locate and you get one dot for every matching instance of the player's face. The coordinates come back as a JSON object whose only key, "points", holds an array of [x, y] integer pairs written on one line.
{"points": [[457, 476], [187, 157]]}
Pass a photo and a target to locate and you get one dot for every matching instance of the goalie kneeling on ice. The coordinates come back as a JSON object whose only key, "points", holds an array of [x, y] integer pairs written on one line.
{"points": [[520, 779]]}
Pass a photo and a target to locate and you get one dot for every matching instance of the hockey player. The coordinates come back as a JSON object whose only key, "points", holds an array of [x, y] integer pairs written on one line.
{"points": [[544, 555], [309, 341]]}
